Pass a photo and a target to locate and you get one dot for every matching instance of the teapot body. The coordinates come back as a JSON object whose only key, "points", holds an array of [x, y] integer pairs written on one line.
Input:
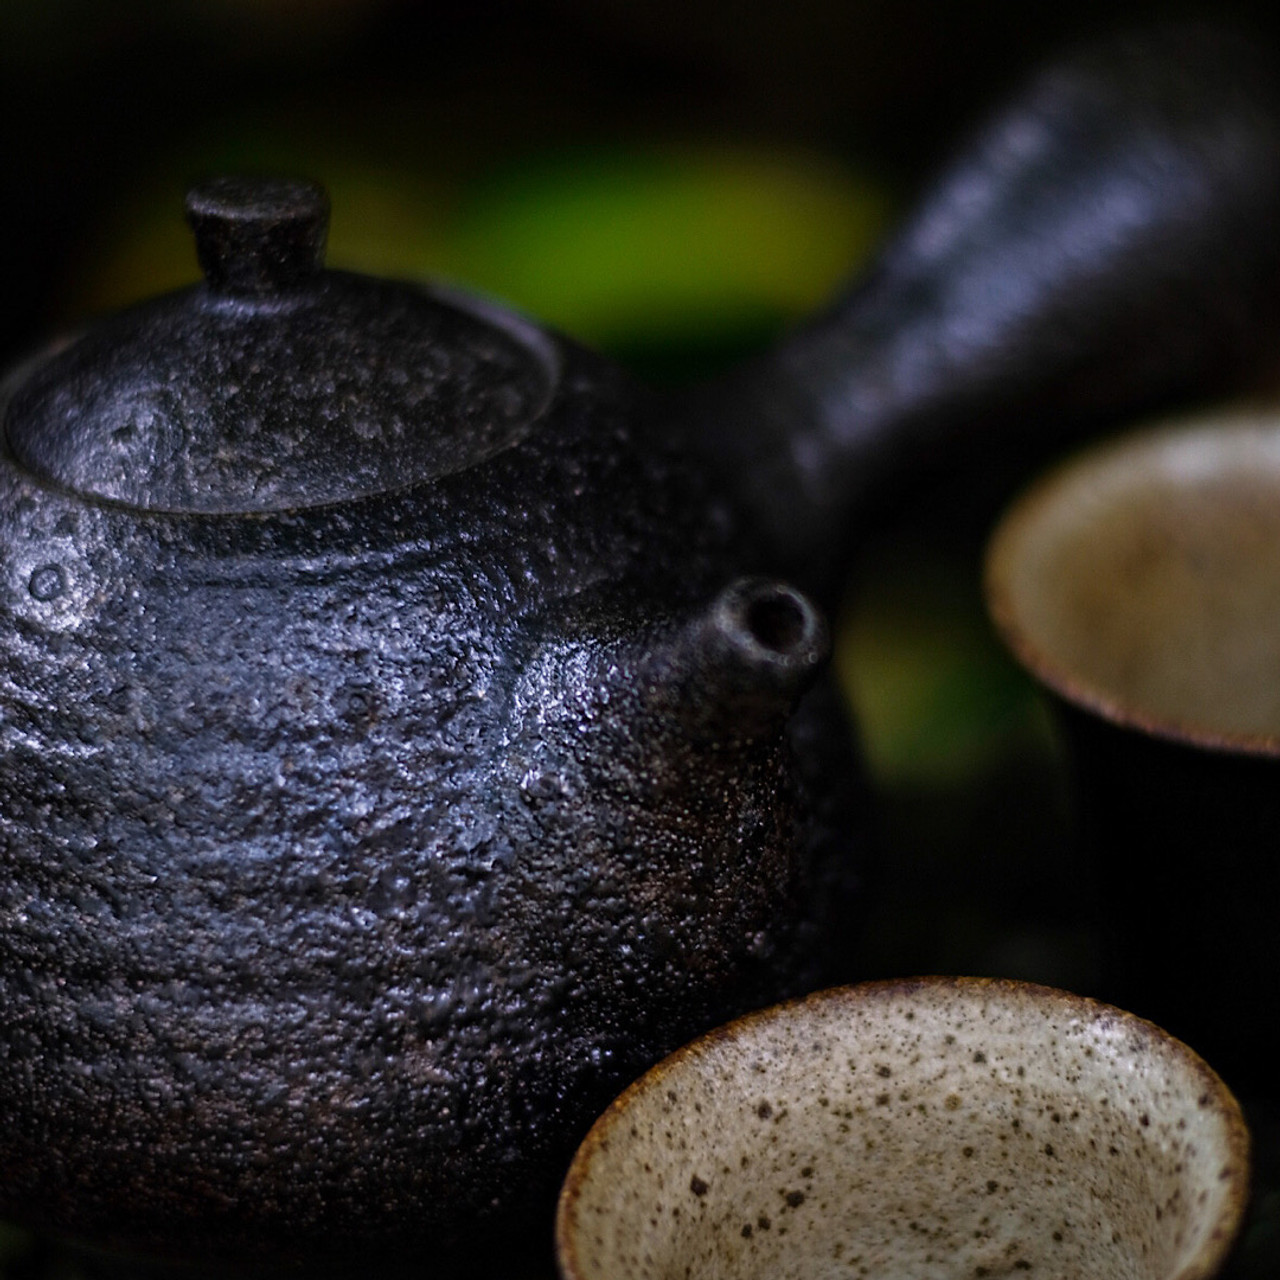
{"points": [[346, 866]]}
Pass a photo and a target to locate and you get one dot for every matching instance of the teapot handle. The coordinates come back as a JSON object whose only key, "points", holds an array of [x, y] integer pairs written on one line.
{"points": [[1108, 243]]}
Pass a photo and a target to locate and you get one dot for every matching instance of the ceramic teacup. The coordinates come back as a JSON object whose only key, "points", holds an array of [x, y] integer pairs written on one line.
{"points": [[1140, 583], [928, 1129]]}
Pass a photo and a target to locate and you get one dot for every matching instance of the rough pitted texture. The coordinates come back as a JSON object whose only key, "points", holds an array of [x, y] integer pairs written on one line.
{"points": [[931, 1130], [351, 858], [340, 389]]}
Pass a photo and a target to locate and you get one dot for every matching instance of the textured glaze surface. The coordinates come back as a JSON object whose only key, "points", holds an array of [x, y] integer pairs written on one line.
{"points": [[347, 388], [347, 862], [931, 1130]]}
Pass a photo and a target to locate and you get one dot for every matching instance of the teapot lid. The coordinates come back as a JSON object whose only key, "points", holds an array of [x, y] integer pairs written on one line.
{"points": [[276, 384]]}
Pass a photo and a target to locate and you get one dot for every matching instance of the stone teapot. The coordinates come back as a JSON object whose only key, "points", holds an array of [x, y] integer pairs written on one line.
{"points": [[408, 726]]}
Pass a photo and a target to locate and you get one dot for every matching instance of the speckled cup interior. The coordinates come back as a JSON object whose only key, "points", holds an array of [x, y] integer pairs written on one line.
{"points": [[930, 1129], [1142, 579]]}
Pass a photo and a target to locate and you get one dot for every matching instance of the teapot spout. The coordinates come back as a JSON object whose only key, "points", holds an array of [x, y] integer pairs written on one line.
{"points": [[1105, 245], [726, 674], [735, 671]]}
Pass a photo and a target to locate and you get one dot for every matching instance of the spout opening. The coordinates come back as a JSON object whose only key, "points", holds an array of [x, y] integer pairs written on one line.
{"points": [[776, 622], [773, 624]]}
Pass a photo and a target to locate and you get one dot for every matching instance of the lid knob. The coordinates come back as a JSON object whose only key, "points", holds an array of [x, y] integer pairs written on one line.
{"points": [[258, 236]]}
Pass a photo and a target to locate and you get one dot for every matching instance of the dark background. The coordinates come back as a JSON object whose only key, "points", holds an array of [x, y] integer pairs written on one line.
{"points": [[99, 101], [444, 130]]}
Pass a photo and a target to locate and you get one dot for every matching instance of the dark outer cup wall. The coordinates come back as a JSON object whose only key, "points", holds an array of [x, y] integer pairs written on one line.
{"points": [[1185, 843]]}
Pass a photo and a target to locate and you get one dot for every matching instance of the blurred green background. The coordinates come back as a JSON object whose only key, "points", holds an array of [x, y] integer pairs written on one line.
{"points": [[671, 182]]}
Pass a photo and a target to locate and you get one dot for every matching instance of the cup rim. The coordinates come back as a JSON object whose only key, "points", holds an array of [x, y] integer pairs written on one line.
{"points": [[1237, 1140], [1044, 495]]}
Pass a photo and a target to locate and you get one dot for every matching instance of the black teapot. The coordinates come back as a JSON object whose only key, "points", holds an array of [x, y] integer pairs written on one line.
{"points": [[409, 728]]}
